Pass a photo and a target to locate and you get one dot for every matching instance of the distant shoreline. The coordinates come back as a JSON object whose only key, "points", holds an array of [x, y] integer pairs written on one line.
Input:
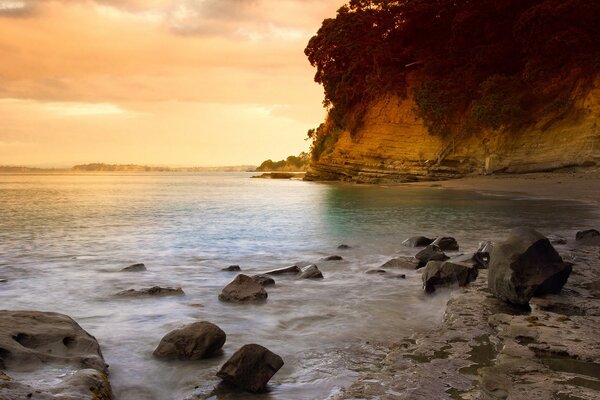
{"points": [[100, 167]]}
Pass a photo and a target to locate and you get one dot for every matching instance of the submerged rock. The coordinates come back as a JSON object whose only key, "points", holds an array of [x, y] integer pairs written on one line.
{"points": [[344, 246], [243, 289], [192, 342], [589, 233], [232, 268], [446, 243], [417, 241], [36, 343], [555, 239], [3, 280], [442, 273], [311, 272], [375, 271], [135, 268], [400, 262], [526, 265], [333, 258], [292, 269], [155, 291], [263, 280], [251, 367], [430, 253]]}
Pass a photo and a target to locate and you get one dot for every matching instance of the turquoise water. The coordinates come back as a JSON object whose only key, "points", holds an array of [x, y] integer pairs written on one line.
{"points": [[63, 239]]}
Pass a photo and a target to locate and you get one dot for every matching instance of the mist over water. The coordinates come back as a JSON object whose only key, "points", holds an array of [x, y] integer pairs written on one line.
{"points": [[64, 238]]}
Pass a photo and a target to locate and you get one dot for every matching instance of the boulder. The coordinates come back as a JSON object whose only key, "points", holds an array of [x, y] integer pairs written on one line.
{"points": [[446, 243], [344, 247], [311, 272], [333, 258], [243, 289], [478, 260], [430, 253], [292, 269], [34, 345], [192, 342], [587, 234], [155, 291], [417, 241], [251, 367], [526, 265], [232, 268], [443, 273], [376, 271], [400, 262], [135, 268], [263, 280]]}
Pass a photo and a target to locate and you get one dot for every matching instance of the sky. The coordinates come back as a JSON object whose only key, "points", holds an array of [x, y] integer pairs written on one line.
{"points": [[157, 82]]}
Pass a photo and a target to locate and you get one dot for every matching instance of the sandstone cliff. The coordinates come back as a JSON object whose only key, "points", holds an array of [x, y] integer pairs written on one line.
{"points": [[393, 145]]}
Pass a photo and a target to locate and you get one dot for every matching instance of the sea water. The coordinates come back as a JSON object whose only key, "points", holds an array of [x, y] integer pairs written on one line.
{"points": [[64, 239]]}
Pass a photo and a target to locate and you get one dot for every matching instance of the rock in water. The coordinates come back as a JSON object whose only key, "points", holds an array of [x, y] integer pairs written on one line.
{"points": [[251, 367], [264, 280], [417, 241], [292, 269], [35, 345], [429, 253], [526, 265], [155, 291], [442, 273], [344, 246], [311, 272], [590, 233], [333, 258], [191, 342], [242, 289], [135, 268], [446, 243], [232, 268], [400, 262]]}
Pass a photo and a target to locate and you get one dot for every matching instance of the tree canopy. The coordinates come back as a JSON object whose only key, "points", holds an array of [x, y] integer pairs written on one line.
{"points": [[470, 64]]}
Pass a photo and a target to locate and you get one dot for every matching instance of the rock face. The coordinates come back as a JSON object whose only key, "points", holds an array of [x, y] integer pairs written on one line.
{"points": [[446, 243], [251, 367], [292, 269], [263, 280], [417, 241], [430, 253], [155, 291], [135, 268], [526, 265], [42, 343], [393, 145], [311, 272], [442, 273], [243, 289], [191, 342]]}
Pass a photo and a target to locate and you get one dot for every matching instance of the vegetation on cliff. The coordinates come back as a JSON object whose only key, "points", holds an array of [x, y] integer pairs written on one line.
{"points": [[292, 163], [468, 65]]}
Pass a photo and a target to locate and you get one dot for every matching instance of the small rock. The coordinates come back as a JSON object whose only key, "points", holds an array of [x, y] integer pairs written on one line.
{"points": [[311, 272], [251, 367], [263, 280], [293, 269], [232, 268], [344, 247], [191, 342], [376, 271], [441, 273], [333, 258], [555, 239], [395, 276], [243, 289], [526, 265], [153, 291], [430, 253], [446, 243], [417, 241], [401, 262], [589, 233], [135, 268], [3, 280]]}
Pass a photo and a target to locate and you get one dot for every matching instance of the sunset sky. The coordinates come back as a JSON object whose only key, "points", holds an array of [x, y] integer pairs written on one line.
{"points": [[160, 82]]}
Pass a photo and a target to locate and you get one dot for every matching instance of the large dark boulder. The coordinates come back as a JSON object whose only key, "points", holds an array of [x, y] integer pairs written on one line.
{"points": [[526, 265], [242, 289], [251, 367], [430, 253], [192, 342], [443, 273], [311, 272], [417, 241], [446, 243]]}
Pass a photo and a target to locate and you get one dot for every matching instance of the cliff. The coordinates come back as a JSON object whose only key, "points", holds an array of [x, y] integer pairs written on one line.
{"points": [[393, 145]]}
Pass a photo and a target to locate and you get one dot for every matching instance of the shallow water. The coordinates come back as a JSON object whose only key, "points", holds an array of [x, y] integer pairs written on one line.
{"points": [[63, 239]]}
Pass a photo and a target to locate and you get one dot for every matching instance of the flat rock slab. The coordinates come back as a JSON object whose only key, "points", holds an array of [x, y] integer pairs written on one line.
{"points": [[243, 289], [401, 262], [191, 342], [55, 347], [251, 367], [155, 291], [292, 269]]}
